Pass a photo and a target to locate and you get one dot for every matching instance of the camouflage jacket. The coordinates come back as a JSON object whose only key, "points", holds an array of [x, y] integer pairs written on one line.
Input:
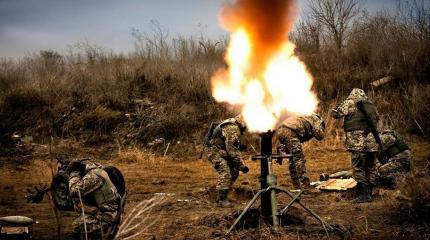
{"points": [[228, 139], [305, 127], [87, 186], [358, 140]]}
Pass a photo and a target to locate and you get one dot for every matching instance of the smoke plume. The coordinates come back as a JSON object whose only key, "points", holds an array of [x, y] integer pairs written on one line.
{"points": [[267, 23]]}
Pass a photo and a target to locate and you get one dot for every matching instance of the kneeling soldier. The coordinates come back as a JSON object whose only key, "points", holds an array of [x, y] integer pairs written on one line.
{"points": [[395, 159], [224, 152], [290, 136], [96, 200]]}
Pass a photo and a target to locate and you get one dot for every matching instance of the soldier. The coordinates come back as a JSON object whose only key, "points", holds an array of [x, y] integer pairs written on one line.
{"points": [[360, 121], [290, 136], [395, 160], [224, 152], [96, 200]]}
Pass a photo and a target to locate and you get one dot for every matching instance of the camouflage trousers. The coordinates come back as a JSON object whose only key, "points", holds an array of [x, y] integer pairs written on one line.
{"points": [[98, 226], [290, 144], [226, 167], [395, 168], [363, 167]]}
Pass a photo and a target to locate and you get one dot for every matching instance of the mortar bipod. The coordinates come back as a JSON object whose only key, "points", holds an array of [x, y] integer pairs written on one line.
{"points": [[272, 188]]}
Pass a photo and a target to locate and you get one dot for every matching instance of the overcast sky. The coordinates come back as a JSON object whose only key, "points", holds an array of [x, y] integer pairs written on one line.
{"points": [[28, 26]]}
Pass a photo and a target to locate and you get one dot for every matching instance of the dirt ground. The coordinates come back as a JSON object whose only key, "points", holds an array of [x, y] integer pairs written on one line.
{"points": [[185, 197]]}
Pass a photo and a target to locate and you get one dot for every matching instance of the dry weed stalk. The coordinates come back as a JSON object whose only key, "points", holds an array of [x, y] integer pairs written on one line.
{"points": [[139, 218]]}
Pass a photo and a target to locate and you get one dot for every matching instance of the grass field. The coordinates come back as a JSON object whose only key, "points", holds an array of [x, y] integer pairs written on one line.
{"points": [[126, 110], [188, 209]]}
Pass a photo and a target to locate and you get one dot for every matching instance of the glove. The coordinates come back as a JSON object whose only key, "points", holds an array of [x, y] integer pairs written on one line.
{"points": [[75, 166], [36, 197], [244, 169]]}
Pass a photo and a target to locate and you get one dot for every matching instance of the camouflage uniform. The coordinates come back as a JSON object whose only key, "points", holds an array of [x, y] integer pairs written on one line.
{"points": [[225, 156], [397, 158], [359, 140], [100, 202], [290, 136]]}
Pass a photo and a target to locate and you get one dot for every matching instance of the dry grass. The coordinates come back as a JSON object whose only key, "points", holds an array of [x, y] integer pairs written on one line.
{"points": [[163, 89]]}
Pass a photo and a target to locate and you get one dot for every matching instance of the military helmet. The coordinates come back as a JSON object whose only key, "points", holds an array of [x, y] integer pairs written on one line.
{"points": [[357, 94]]}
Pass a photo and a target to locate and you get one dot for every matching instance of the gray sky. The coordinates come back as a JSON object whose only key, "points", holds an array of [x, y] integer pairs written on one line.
{"points": [[28, 26]]}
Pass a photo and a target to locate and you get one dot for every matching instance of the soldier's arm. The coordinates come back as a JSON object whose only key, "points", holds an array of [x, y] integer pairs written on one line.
{"points": [[86, 185], [342, 110], [279, 141], [319, 133], [232, 142]]}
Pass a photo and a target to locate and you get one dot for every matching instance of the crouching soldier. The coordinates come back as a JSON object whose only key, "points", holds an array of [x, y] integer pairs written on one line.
{"points": [[224, 152], [289, 138], [96, 200], [362, 140], [395, 160]]}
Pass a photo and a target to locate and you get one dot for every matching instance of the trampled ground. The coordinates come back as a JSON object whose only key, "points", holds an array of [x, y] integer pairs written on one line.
{"points": [[184, 189]]}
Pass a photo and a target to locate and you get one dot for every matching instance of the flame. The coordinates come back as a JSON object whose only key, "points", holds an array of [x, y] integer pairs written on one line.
{"points": [[263, 77]]}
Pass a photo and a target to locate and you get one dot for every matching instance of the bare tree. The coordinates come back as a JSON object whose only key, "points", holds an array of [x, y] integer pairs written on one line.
{"points": [[416, 13], [309, 33], [336, 16]]}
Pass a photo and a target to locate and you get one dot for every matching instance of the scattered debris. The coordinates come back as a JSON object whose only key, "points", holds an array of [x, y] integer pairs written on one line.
{"points": [[167, 148], [157, 142]]}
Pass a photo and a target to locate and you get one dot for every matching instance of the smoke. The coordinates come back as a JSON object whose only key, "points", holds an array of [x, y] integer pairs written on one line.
{"points": [[267, 23]]}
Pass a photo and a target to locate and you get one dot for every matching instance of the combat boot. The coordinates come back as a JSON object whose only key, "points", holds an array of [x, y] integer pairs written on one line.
{"points": [[361, 195], [369, 193], [306, 184], [296, 183], [222, 199]]}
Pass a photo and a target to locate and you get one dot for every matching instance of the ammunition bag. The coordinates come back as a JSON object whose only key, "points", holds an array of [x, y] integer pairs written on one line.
{"points": [[358, 121]]}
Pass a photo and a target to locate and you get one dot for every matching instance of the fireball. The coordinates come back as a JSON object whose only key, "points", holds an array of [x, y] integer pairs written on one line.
{"points": [[264, 77]]}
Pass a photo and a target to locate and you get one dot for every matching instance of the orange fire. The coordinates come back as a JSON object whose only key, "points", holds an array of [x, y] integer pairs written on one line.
{"points": [[263, 77]]}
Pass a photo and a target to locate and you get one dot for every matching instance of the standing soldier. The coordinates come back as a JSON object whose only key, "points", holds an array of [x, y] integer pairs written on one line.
{"points": [[395, 159], [290, 136], [96, 200], [224, 152], [362, 140]]}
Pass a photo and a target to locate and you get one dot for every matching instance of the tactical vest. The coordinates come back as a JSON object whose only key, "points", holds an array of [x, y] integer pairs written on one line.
{"points": [[398, 146], [358, 120], [217, 138], [107, 193]]}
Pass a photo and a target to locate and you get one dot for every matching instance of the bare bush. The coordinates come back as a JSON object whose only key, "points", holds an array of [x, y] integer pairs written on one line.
{"points": [[163, 89], [139, 220], [336, 16]]}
